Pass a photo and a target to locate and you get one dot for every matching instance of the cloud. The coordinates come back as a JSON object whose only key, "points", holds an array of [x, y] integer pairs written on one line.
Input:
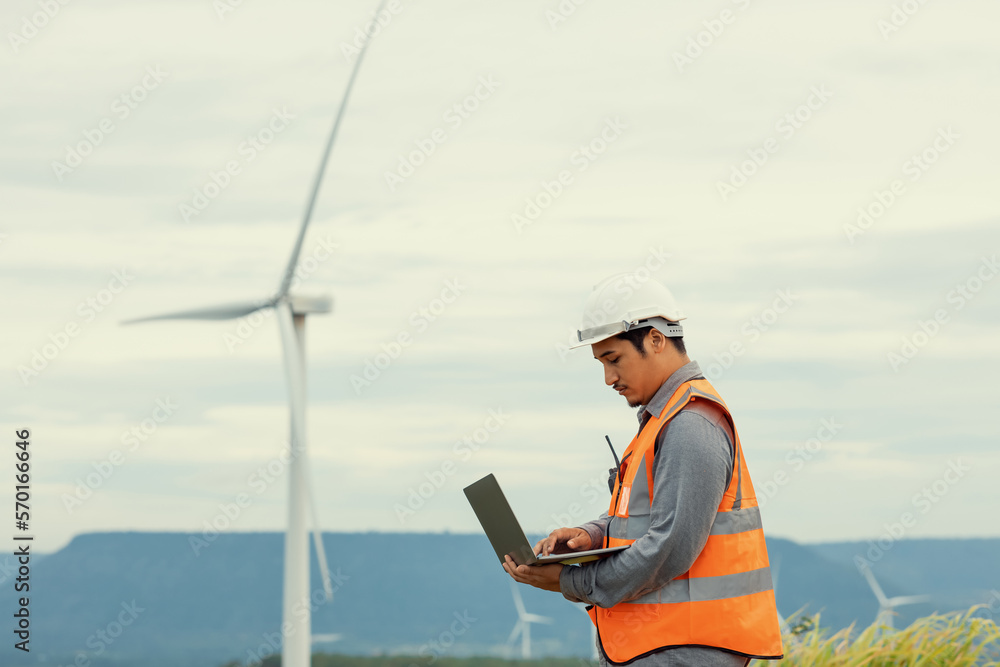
{"points": [[654, 189]]}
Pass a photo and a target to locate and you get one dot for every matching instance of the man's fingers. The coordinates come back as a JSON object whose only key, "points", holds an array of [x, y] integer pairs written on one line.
{"points": [[573, 538], [514, 570]]}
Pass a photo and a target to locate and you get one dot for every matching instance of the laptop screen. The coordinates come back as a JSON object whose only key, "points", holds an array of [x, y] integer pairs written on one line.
{"points": [[498, 521]]}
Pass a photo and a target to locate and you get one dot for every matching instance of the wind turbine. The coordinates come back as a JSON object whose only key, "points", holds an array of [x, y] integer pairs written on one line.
{"points": [[291, 311], [523, 625], [887, 605]]}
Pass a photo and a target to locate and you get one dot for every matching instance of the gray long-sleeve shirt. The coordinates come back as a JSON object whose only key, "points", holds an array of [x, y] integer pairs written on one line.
{"points": [[692, 468]]}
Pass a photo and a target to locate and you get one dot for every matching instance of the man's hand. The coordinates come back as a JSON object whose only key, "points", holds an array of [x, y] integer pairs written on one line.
{"points": [[545, 577], [563, 540]]}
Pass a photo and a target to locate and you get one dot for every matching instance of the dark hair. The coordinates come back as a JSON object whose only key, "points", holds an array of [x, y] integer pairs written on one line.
{"points": [[638, 335]]}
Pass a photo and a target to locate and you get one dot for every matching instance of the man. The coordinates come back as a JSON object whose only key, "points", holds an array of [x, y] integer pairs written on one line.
{"points": [[694, 586]]}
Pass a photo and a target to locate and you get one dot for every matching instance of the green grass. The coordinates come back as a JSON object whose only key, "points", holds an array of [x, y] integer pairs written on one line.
{"points": [[952, 640], [338, 660], [939, 640]]}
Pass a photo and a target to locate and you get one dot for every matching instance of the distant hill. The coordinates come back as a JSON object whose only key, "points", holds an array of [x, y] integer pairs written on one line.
{"points": [[396, 593], [955, 573]]}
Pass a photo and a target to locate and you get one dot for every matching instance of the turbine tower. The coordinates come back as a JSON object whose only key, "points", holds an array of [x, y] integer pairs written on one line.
{"points": [[291, 311], [887, 605], [523, 625]]}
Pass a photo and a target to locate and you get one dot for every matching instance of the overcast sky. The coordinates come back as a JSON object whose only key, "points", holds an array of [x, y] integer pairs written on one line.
{"points": [[503, 158]]}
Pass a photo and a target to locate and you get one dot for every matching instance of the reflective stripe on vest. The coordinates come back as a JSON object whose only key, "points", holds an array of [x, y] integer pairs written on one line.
{"points": [[726, 599]]}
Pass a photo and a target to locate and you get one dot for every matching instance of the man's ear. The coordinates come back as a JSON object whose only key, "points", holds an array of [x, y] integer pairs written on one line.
{"points": [[657, 340]]}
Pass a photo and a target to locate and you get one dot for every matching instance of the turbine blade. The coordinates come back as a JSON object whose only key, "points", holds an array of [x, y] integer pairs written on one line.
{"points": [[229, 311], [907, 599], [516, 631], [324, 569], [286, 279], [535, 618], [293, 367], [293, 372], [517, 600], [876, 589]]}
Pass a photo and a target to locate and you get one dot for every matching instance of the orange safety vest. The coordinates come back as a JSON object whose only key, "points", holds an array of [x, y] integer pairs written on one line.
{"points": [[726, 599]]}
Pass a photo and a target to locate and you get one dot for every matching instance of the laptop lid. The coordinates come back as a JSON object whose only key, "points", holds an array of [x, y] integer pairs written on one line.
{"points": [[505, 533]]}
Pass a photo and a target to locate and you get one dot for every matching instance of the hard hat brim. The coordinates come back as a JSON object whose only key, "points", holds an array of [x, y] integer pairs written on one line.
{"points": [[603, 332]]}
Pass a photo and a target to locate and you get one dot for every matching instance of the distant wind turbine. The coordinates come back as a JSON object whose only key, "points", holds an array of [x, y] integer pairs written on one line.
{"points": [[887, 605], [523, 625], [291, 311]]}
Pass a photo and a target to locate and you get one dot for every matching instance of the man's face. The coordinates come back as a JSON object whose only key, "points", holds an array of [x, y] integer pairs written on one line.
{"points": [[626, 370]]}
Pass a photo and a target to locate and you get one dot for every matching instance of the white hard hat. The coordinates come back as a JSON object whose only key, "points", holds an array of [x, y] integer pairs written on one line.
{"points": [[625, 301]]}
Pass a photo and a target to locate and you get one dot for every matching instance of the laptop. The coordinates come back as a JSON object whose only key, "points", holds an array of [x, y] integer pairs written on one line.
{"points": [[505, 534]]}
